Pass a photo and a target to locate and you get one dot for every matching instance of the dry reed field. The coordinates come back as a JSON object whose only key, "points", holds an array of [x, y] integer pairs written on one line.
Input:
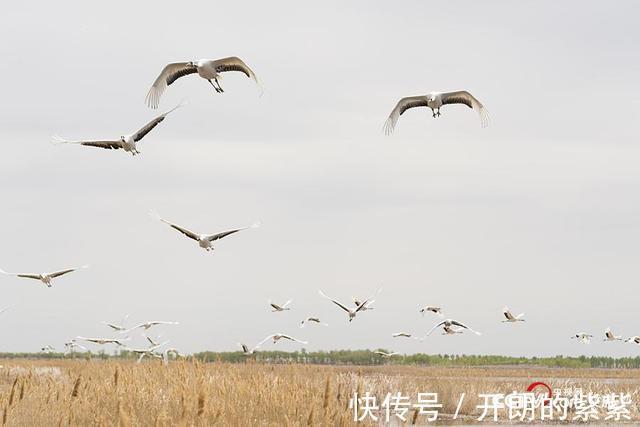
{"points": [[190, 393]]}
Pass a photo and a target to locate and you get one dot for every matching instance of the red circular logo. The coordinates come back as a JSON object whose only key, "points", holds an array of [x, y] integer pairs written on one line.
{"points": [[538, 384]]}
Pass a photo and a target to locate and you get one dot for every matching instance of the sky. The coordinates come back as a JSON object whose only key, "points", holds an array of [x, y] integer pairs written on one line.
{"points": [[539, 211]]}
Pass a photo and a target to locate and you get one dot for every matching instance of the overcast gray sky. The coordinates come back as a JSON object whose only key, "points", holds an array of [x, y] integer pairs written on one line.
{"points": [[538, 211]]}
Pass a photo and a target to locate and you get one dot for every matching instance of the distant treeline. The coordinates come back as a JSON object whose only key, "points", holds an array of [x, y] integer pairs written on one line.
{"points": [[368, 357]]}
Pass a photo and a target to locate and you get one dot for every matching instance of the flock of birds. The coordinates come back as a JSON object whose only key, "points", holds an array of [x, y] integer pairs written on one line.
{"points": [[585, 338], [212, 70], [152, 350], [449, 326]]}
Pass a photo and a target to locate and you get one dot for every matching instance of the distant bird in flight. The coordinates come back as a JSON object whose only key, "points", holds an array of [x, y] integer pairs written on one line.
{"points": [[44, 277], [431, 308], [118, 327], [448, 323], [149, 324], [385, 354], [404, 335], [510, 317], [277, 337], [401, 334], [103, 341], [435, 100], [249, 351], [351, 313], [205, 241], [48, 349], [312, 320], [125, 142], [208, 69], [583, 337], [609, 336], [282, 307]]}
